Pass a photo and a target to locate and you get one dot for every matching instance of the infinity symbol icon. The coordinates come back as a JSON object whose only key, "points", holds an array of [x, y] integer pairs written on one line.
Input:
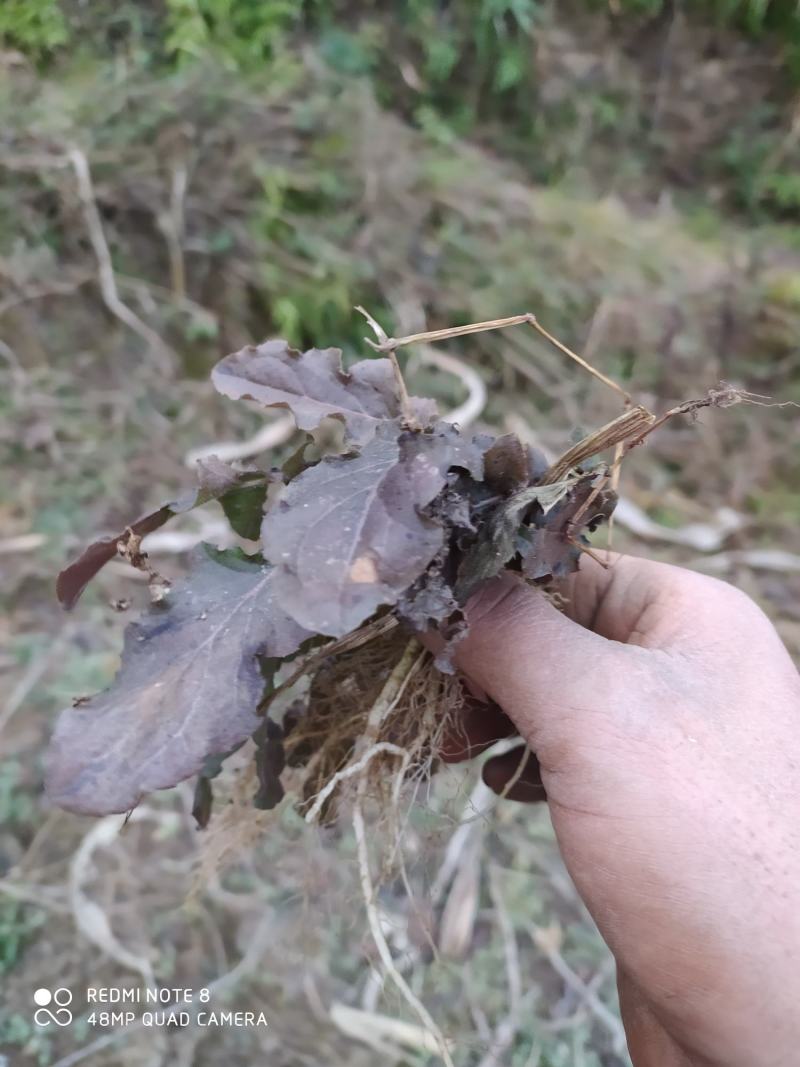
{"points": [[43, 1016]]}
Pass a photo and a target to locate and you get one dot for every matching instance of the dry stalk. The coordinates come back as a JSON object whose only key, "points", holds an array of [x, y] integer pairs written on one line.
{"points": [[387, 700], [725, 396], [386, 346], [391, 344], [634, 423], [616, 474], [105, 267], [506, 1029], [633, 427], [547, 940], [174, 229], [625, 432], [384, 952]]}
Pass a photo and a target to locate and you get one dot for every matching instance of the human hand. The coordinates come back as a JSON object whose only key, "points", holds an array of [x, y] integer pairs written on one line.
{"points": [[665, 714]]}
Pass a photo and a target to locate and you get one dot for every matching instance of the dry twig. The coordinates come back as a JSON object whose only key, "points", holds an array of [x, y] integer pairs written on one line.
{"points": [[391, 344], [506, 1029], [105, 266], [269, 436], [548, 940], [378, 936], [385, 345]]}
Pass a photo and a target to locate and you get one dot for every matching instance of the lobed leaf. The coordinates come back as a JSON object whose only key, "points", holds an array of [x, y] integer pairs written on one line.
{"points": [[349, 535], [187, 689], [241, 494], [313, 386]]}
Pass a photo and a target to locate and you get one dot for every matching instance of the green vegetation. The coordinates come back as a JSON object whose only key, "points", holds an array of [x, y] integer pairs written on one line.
{"points": [[36, 27], [488, 68], [18, 923]]}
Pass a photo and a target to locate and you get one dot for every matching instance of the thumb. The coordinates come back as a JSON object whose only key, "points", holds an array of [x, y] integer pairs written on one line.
{"points": [[550, 675]]}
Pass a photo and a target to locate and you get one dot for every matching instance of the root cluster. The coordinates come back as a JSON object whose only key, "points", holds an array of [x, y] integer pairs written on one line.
{"points": [[376, 712]]}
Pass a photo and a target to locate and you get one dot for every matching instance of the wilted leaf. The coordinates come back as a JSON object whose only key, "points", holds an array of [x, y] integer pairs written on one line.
{"points": [[313, 386], [497, 542], [549, 551], [348, 534], [506, 466], [428, 602], [72, 581], [270, 761], [216, 481], [187, 689], [203, 802], [215, 477]]}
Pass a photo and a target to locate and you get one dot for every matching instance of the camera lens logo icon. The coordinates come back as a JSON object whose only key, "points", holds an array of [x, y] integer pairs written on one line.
{"points": [[60, 1015]]}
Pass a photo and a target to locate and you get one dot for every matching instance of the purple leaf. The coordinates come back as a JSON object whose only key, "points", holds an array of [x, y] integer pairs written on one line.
{"points": [[187, 689], [348, 534], [313, 386], [72, 581], [216, 481]]}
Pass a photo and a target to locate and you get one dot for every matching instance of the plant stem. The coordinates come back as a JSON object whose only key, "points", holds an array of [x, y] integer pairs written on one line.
{"points": [[389, 344], [634, 424], [386, 345]]}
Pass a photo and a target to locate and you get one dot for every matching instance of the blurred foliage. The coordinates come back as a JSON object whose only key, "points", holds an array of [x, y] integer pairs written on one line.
{"points": [[305, 198], [240, 33], [483, 68], [18, 923], [16, 806], [484, 41], [34, 26]]}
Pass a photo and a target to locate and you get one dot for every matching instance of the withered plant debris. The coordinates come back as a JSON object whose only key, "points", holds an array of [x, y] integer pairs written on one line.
{"points": [[294, 646]]}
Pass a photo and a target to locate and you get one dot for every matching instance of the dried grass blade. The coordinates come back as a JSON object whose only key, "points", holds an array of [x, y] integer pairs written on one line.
{"points": [[633, 423]]}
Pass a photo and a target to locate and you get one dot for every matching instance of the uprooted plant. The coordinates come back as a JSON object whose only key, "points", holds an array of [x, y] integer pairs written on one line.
{"points": [[309, 645]]}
